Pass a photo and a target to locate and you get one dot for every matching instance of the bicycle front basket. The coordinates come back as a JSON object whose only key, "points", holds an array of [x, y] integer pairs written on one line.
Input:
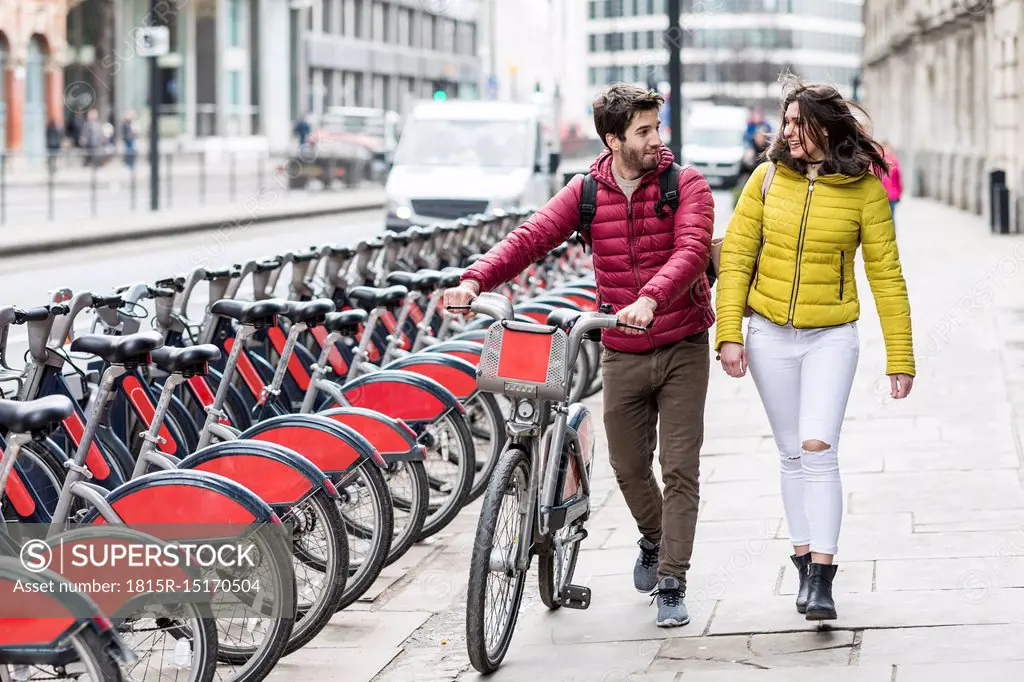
{"points": [[525, 361]]}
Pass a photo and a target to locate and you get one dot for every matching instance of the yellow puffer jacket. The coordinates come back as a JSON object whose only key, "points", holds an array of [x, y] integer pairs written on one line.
{"points": [[821, 225]]}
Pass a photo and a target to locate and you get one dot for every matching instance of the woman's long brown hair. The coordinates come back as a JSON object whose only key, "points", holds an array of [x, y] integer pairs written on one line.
{"points": [[848, 148]]}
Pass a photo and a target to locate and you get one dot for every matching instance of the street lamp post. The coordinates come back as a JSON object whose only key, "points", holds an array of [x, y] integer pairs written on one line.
{"points": [[154, 125], [675, 79]]}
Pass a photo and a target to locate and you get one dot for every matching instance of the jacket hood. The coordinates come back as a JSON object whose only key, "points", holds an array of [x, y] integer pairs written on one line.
{"points": [[843, 171], [601, 168]]}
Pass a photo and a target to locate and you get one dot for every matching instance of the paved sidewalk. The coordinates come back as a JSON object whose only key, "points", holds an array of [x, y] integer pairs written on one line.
{"points": [[268, 202], [931, 555]]}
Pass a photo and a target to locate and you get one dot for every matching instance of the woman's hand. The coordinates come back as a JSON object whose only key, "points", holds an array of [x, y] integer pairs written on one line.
{"points": [[901, 385], [734, 359]]}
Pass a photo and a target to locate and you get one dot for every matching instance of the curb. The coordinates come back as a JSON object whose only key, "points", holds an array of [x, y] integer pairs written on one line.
{"points": [[71, 241]]}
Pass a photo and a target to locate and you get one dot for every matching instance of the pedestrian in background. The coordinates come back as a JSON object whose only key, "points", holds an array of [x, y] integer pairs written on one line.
{"points": [[650, 267], [789, 259], [891, 180], [54, 142], [128, 134], [92, 138]]}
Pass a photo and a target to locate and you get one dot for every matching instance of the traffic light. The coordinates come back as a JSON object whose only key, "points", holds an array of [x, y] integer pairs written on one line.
{"points": [[440, 95]]}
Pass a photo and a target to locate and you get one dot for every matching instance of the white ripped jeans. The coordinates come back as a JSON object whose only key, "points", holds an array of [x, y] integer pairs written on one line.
{"points": [[804, 377]]}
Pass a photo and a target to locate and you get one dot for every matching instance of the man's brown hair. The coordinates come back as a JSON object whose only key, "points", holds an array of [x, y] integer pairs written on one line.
{"points": [[615, 108]]}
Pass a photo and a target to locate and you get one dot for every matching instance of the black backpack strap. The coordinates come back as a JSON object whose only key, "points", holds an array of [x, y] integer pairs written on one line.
{"points": [[669, 183], [588, 208]]}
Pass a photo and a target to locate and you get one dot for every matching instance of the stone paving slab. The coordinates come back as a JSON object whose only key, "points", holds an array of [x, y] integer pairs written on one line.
{"points": [[968, 644]]}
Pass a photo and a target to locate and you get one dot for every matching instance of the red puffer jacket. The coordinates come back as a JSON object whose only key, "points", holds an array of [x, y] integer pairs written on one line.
{"points": [[636, 253]]}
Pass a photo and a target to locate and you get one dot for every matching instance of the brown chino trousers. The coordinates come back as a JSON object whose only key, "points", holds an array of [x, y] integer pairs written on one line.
{"points": [[646, 396]]}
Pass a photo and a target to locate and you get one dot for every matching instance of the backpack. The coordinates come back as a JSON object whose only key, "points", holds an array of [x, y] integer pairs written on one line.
{"points": [[668, 183]]}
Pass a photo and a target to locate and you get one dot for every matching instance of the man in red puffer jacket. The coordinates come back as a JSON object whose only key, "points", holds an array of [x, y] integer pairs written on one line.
{"points": [[648, 268]]}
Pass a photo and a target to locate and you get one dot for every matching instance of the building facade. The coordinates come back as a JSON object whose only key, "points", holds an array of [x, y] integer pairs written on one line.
{"points": [[245, 70], [732, 50], [943, 85], [384, 53], [32, 44]]}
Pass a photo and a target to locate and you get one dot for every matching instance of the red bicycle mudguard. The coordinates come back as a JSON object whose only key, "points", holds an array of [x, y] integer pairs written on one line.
{"points": [[587, 300], [537, 312], [332, 447], [457, 375], [394, 440], [277, 474], [186, 504], [580, 423], [23, 593], [404, 395], [464, 350], [132, 582], [473, 336]]}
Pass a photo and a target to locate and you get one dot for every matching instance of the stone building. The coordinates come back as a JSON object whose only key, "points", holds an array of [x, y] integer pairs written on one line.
{"points": [[32, 42], [941, 83]]}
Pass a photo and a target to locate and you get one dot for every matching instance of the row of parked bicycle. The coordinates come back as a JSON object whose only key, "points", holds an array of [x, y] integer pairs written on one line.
{"points": [[328, 421]]}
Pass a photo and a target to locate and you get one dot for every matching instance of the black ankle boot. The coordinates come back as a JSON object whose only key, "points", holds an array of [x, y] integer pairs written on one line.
{"points": [[820, 605], [801, 563]]}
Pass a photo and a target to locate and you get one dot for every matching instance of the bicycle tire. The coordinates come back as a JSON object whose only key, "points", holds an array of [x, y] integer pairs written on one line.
{"points": [[547, 573], [258, 663], [360, 580], [496, 420], [417, 509], [457, 498], [514, 462], [314, 619], [35, 454]]}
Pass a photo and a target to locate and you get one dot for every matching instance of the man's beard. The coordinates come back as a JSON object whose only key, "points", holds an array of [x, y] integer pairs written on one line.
{"points": [[635, 159]]}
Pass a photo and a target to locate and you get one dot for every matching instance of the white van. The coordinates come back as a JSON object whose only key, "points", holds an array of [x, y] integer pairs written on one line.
{"points": [[459, 157], [713, 142]]}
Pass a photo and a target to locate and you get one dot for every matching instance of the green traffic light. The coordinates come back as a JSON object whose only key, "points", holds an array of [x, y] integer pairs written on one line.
{"points": [[440, 95]]}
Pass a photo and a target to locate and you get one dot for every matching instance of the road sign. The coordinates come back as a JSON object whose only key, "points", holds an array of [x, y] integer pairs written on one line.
{"points": [[152, 41]]}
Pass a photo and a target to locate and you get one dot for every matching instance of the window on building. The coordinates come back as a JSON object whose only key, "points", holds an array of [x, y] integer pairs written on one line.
{"points": [[235, 23], [359, 18], [615, 8], [389, 18], [447, 35], [651, 40], [591, 43], [429, 30], [403, 26], [377, 22]]}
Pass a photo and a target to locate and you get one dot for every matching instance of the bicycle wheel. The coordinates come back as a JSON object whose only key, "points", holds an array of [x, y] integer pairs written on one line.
{"points": [[450, 465], [487, 425], [410, 495], [185, 633], [555, 570], [255, 637], [95, 664], [321, 564], [492, 573], [367, 511]]}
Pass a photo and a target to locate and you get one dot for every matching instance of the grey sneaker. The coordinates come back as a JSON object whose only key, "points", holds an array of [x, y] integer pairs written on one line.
{"points": [[645, 571], [671, 608]]}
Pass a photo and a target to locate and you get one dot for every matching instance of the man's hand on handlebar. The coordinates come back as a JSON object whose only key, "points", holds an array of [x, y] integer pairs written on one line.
{"points": [[638, 315], [458, 299]]}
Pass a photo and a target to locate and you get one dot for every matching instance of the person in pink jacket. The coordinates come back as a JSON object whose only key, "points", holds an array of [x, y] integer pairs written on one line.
{"points": [[893, 181], [650, 265]]}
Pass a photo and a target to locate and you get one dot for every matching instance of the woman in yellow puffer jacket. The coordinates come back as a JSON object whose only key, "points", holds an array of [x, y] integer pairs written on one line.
{"points": [[788, 261]]}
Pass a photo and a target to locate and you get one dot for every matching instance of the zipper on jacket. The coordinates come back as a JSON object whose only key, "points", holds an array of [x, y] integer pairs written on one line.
{"points": [[800, 251], [842, 273], [632, 252]]}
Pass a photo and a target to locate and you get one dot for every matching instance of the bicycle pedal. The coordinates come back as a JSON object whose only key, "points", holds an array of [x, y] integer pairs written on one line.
{"points": [[576, 597]]}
